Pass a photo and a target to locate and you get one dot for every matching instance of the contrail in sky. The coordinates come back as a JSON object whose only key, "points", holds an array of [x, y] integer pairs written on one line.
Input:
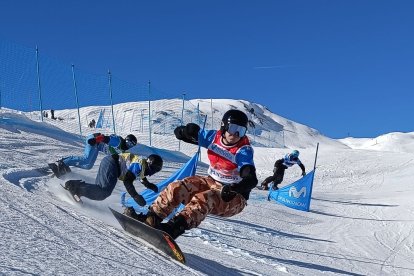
{"points": [[276, 66]]}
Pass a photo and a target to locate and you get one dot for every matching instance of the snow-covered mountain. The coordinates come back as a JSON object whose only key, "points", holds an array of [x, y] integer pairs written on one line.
{"points": [[267, 128]]}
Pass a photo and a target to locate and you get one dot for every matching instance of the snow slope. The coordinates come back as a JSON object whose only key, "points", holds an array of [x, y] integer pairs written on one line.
{"points": [[361, 220]]}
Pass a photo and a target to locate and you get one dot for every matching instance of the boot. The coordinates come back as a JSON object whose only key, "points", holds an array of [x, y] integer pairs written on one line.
{"points": [[265, 185], [175, 226], [275, 187], [71, 185], [130, 212], [153, 220], [63, 168]]}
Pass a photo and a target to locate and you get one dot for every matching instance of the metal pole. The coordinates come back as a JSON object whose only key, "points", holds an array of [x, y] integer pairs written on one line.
{"points": [[132, 119], [110, 96], [76, 98], [0, 75], [211, 113], [38, 83], [149, 112], [316, 156], [198, 113], [182, 120]]}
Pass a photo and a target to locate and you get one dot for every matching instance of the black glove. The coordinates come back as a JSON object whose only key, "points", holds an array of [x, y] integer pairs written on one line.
{"points": [[191, 131], [303, 173], [96, 140], [227, 194], [188, 133], [140, 200], [92, 142], [152, 187], [149, 185]]}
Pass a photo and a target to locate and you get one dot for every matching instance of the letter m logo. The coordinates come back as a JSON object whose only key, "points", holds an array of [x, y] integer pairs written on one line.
{"points": [[297, 194]]}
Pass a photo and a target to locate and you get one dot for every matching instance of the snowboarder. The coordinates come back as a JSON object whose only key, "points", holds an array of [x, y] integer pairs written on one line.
{"points": [[224, 192], [279, 170], [126, 167], [95, 143]]}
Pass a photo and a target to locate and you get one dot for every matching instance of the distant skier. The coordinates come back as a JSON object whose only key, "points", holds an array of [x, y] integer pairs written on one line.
{"points": [[126, 167], [95, 143], [224, 192], [279, 170]]}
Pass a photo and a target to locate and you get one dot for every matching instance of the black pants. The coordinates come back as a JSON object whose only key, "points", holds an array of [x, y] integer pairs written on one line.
{"points": [[277, 177]]}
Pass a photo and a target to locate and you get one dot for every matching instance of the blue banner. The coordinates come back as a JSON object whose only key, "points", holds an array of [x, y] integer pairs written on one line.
{"points": [[296, 195], [189, 169]]}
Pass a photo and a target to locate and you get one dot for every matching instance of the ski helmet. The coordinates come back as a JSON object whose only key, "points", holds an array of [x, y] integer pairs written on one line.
{"points": [[295, 153], [131, 140], [154, 162], [234, 117]]}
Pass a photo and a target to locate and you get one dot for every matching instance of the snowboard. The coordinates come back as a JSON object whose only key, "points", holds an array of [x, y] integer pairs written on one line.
{"points": [[159, 239], [72, 196]]}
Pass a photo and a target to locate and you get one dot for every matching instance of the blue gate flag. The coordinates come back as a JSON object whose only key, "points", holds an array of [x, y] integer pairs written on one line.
{"points": [[100, 119], [189, 169], [296, 195]]}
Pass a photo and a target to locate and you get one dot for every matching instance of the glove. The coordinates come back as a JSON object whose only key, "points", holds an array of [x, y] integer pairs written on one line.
{"points": [[227, 194], [191, 131], [140, 200], [188, 133], [96, 140], [149, 185], [303, 173], [152, 187]]}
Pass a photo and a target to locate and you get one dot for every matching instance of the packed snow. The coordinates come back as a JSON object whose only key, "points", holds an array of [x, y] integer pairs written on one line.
{"points": [[361, 220]]}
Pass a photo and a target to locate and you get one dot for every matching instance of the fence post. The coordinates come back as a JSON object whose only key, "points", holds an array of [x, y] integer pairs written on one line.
{"points": [[132, 120], [0, 74], [211, 102], [182, 120], [110, 96], [149, 112], [38, 83], [198, 113], [76, 98]]}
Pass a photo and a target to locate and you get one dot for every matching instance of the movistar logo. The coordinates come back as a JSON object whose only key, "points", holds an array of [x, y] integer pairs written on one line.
{"points": [[297, 194]]}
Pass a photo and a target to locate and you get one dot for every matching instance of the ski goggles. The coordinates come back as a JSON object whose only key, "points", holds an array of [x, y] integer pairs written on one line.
{"points": [[233, 128], [130, 144]]}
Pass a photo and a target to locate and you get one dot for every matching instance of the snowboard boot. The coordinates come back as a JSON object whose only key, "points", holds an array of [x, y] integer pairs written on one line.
{"points": [[175, 226], [71, 185], [55, 169], [63, 168], [265, 185], [130, 212], [153, 220], [275, 187]]}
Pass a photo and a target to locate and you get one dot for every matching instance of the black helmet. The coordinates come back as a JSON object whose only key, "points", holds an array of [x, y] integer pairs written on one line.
{"points": [[235, 117], [154, 163], [131, 140]]}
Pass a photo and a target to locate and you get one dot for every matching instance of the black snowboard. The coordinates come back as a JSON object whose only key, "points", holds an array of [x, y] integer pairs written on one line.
{"points": [[157, 238]]}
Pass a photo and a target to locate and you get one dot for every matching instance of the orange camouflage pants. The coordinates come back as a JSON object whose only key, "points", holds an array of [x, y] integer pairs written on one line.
{"points": [[201, 196]]}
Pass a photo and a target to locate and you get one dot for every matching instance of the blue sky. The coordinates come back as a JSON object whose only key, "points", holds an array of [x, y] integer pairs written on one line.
{"points": [[338, 66]]}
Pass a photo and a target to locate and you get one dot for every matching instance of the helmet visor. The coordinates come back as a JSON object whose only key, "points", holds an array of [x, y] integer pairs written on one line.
{"points": [[152, 169], [233, 128], [130, 144]]}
